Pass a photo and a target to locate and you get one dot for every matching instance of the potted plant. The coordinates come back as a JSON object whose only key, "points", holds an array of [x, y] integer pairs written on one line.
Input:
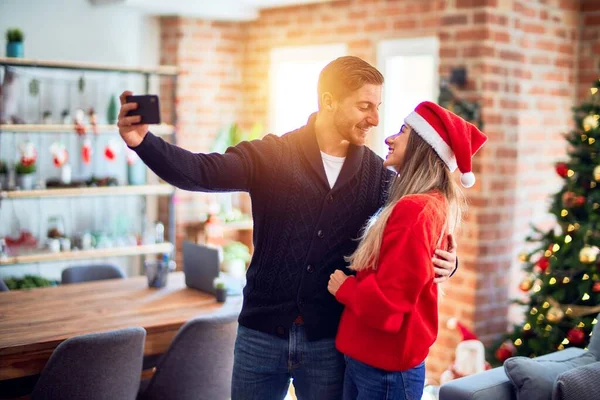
{"points": [[3, 175], [220, 290], [14, 43], [25, 168], [235, 257]]}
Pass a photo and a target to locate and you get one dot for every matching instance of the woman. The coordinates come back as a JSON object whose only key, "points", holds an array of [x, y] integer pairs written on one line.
{"points": [[390, 318]]}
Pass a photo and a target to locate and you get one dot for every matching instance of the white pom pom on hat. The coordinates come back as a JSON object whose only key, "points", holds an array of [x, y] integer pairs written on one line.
{"points": [[453, 139]]}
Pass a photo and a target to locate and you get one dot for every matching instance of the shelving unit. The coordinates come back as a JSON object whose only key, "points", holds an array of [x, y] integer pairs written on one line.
{"points": [[166, 130], [159, 189], [91, 254]]}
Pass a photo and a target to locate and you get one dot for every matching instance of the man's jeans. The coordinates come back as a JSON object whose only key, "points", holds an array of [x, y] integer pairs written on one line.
{"points": [[363, 382], [264, 365]]}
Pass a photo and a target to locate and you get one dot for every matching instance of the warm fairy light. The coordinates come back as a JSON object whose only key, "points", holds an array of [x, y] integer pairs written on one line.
{"points": [[547, 253], [561, 347], [566, 341], [552, 280], [548, 328], [569, 311], [540, 318], [568, 239], [581, 325], [592, 186], [585, 277], [585, 297], [570, 173], [593, 90], [595, 321], [584, 137], [518, 342], [566, 280], [555, 248], [591, 140], [571, 228], [537, 288], [534, 311], [526, 327], [546, 305]]}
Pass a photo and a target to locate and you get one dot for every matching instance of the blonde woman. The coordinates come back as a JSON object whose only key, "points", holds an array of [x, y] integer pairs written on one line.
{"points": [[390, 319]]}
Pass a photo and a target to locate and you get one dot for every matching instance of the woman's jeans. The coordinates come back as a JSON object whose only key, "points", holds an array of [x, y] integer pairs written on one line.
{"points": [[363, 382]]}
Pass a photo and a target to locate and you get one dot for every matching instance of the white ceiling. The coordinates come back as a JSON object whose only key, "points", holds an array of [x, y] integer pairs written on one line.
{"points": [[230, 10]]}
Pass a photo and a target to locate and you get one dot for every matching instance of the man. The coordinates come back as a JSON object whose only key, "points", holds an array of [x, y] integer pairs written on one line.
{"points": [[312, 191]]}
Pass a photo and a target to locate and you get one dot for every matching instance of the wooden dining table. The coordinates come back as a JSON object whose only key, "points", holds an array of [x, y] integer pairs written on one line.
{"points": [[33, 322]]}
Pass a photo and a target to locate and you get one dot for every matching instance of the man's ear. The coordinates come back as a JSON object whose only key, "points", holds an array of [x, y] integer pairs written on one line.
{"points": [[327, 101]]}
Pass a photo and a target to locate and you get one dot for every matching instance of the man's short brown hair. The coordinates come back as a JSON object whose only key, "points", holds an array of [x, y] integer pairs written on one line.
{"points": [[346, 74]]}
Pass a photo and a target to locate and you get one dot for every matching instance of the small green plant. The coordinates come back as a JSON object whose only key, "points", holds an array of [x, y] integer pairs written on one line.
{"points": [[14, 36], [28, 282], [23, 169], [3, 168], [220, 285]]}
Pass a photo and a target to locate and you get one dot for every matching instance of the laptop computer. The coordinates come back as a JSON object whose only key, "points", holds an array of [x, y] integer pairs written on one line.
{"points": [[201, 267]]}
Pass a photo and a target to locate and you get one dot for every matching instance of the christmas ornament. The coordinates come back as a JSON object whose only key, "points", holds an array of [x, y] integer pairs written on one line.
{"points": [[523, 257], [562, 170], [112, 150], [543, 264], [590, 122], [86, 151], [576, 336], [93, 120], [555, 314], [579, 201], [597, 173], [28, 153], [589, 254], [505, 351], [59, 154], [79, 126], [526, 285], [596, 287]]}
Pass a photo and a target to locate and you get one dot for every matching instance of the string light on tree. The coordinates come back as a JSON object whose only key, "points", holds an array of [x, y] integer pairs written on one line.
{"points": [[591, 122], [589, 254]]}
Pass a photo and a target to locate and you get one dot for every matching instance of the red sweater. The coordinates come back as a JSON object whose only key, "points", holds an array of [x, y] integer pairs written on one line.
{"points": [[391, 314]]}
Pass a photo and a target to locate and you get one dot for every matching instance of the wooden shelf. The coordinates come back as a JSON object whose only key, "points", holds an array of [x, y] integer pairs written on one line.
{"points": [[159, 189], [88, 254], [169, 70], [160, 130]]}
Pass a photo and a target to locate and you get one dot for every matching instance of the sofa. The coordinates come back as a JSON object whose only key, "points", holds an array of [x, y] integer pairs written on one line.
{"points": [[572, 373]]}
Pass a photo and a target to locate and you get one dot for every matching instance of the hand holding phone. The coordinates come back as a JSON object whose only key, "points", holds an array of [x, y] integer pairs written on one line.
{"points": [[133, 128]]}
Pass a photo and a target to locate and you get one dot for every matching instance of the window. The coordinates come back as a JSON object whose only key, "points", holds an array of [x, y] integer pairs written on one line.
{"points": [[410, 68], [294, 74]]}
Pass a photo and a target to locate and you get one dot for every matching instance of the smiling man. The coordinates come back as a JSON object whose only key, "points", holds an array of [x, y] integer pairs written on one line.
{"points": [[312, 191]]}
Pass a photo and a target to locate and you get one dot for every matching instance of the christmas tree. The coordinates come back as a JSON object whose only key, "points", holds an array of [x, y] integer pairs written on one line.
{"points": [[563, 268]]}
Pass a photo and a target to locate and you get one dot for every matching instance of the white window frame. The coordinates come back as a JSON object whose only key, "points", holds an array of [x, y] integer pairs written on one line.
{"points": [[403, 47], [279, 55]]}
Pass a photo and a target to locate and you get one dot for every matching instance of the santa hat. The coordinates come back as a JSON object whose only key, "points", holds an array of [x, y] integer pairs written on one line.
{"points": [[453, 323], [453, 139]]}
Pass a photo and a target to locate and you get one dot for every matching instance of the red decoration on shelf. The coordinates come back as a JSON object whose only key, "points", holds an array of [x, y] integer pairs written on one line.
{"points": [[86, 151], [576, 335], [562, 170]]}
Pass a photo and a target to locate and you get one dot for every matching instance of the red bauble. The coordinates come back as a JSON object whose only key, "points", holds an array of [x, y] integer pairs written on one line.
{"points": [[576, 336], [562, 170], [543, 264], [596, 287], [505, 351], [579, 201]]}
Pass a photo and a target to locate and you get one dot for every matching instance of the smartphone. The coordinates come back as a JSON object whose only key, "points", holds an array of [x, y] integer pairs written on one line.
{"points": [[148, 108]]}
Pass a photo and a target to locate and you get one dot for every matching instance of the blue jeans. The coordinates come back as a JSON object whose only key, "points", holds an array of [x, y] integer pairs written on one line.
{"points": [[363, 382], [264, 364]]}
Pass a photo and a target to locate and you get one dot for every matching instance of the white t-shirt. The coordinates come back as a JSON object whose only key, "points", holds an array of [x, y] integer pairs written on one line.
{"points": [[333, 166]]}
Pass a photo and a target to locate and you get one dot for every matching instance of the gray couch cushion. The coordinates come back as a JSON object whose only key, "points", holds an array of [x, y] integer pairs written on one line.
{"points": [[580, 383], [594, 345], [534, 379]]}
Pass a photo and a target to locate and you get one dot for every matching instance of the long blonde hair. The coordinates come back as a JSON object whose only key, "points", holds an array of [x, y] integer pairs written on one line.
{"points": [[422, 171]]}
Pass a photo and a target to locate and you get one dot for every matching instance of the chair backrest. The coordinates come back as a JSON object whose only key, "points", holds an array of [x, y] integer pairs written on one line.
{"points": [[3, 287], [199, 362], [87, 273], [96, 366]]}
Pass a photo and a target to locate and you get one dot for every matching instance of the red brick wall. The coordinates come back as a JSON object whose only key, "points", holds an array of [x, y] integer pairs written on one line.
{"points": [[589, 46], [521, 60]]}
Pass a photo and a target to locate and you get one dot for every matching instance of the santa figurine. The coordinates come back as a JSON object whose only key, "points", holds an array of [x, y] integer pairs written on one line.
{"points": [[469, 356]]}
